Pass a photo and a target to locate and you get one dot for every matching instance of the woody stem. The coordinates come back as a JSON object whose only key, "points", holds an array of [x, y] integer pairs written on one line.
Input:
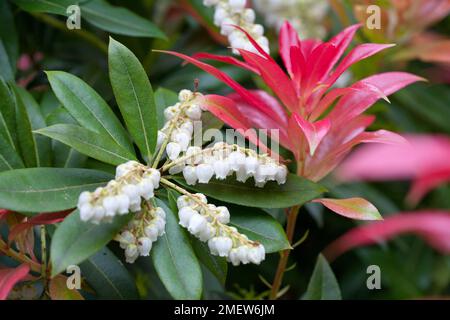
{"points": [[282, 263]]}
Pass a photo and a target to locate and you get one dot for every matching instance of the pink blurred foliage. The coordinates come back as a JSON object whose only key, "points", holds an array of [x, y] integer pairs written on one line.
{"points": [[432, 226], [425, 160]]}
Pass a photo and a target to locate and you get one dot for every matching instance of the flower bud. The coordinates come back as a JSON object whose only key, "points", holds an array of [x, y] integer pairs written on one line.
{"points": [[197, 223], [190, 175], [185, 214], [144, 246]]}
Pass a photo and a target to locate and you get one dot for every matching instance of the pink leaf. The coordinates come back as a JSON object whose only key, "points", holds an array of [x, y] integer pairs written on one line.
{"points": [[424, 159], [9, 277], [433, 226], [314, 132], [342, 41], [353, 208]]}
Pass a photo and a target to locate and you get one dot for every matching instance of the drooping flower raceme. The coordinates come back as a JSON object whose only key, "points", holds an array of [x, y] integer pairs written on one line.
{"points": [[134, 183], [133, 188], [144, 229], [209, 224], [234, 12]]}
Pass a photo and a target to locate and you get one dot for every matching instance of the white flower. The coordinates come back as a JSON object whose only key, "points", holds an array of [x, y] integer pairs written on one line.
{"points": [[221, 169], [220, 246], [194, 112], [251, 164], [86, 212], [223, 215], [196, 223], [161, 137], [194, 154], [152, 232], [183, 201], [173, 150], [188, 127], [171, 112], [281, 175], [185, 214], [146, 188], [144, 246], [256, 254], [207, 233], [111, 205], [160, 212], [123, 204], [131, 253], [185, 95], [237, 5], [236, 160], [190, 175], [182, 137], [204, 172]]}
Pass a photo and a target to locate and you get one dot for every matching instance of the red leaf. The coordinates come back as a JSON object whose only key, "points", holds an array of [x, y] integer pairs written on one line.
{"points": [[275, 78], [288, 38], [9, 277], [433, 226], [357, 54], [226, 59], [244, 93], [225, 109], [40, 219], [314, 132], [353, 208]]}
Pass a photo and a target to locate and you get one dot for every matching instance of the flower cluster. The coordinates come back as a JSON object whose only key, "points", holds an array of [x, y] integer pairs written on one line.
{"points": [[133, 182], [306, 16], [222, 160], [209, 224], [179, 126], [144, 229], [229, 13]]}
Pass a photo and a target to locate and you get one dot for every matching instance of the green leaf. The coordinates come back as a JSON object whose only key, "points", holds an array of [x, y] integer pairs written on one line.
{"points": [[296, 191], [7, 114], [88, 142], [47, 6], [353, 208], [63, 155], [175, 261], [74, 240], [107, 275], [118, 20], [434, 97], [163, 99], [86, 105], [6, 65], [217, 265], [9, 159], [27, 143], [259, 226], [323, 284], [37, 121], [134, 95], [47, 189], [8, 35]]}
